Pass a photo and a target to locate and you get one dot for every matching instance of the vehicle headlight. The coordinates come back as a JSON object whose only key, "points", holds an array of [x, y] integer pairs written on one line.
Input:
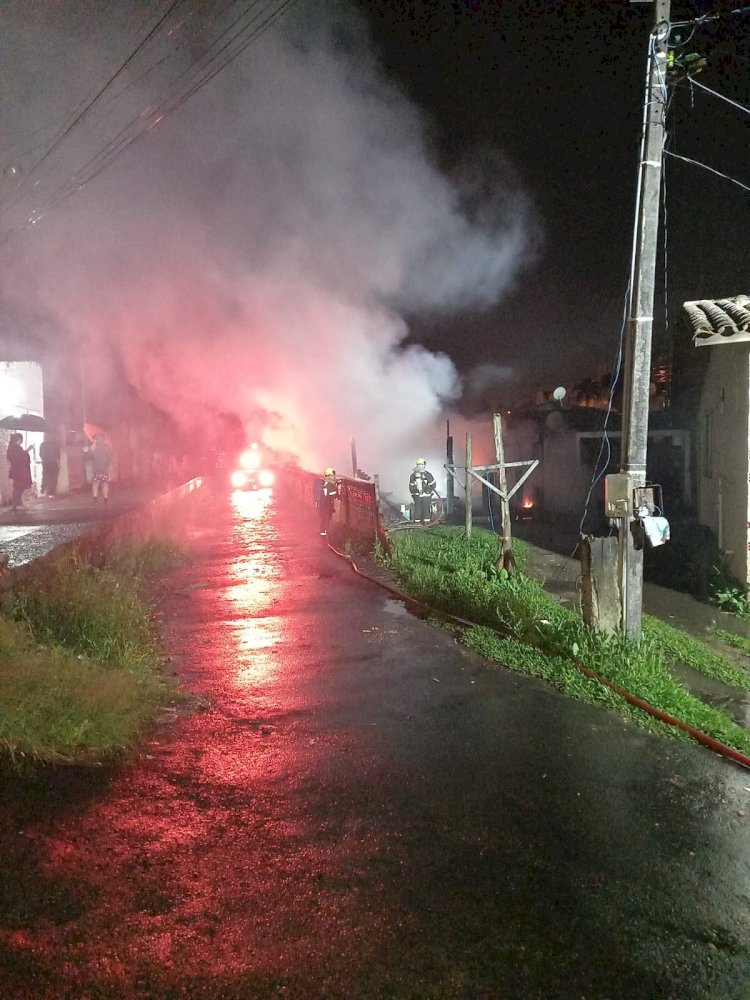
{"points": [[238, 479], [266, 477]]}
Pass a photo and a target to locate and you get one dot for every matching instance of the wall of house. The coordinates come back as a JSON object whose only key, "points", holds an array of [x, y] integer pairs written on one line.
{"points": [[565, 479], [722, 428]]}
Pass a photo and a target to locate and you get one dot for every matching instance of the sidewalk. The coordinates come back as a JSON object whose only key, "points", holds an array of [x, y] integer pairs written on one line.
{"points": [[560, 575], [79, 505], [45, 523]]}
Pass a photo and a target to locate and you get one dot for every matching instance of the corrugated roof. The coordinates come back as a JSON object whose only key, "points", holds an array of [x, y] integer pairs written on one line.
{"points": [[719, 321]]}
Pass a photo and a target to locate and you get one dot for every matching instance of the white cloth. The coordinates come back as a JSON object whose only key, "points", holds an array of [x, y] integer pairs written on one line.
{"points": [[657, 530]]}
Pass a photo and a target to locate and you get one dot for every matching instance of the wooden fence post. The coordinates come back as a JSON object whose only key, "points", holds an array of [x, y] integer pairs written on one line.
{"points": [[505, 558], [469, 484]]}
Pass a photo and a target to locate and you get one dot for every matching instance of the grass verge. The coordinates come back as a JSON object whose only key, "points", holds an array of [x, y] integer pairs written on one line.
{"points": [[79, 656], [450, 573]]}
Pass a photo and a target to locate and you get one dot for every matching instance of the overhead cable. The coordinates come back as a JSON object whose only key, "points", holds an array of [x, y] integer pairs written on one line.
{"points": [[234, 39], [705, 18], [705, 166], [715, 93], [90, 104], [158, 112]]}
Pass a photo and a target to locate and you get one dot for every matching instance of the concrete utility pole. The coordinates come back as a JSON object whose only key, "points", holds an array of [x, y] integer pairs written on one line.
{"points": [[640, 314]]}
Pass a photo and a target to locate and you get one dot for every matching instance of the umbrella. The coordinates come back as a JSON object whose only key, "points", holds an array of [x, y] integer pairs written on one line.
{"points": [[26, 422]]}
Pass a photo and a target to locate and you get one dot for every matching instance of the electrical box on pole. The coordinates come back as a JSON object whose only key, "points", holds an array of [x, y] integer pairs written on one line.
{"points": [[640, 314]]}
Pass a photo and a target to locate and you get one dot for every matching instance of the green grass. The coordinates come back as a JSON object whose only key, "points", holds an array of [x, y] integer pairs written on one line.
{"points": [[731, 639], [679, 646], [521, 626], [55, 706], [79, 655]]}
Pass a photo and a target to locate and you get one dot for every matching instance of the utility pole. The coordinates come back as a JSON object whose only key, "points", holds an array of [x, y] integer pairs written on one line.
{"points": [[640, 317]]}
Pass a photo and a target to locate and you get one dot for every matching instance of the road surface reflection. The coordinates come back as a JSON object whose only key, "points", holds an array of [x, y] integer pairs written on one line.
{"points": [[255, 588]]}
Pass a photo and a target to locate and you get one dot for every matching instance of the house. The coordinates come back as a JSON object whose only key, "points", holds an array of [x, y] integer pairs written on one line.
{"points": [[723, 425], [574, 456]]}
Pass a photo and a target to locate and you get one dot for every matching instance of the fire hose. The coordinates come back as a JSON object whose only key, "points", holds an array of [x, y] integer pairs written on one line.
{"points": [[405, 523], [700, 737]]}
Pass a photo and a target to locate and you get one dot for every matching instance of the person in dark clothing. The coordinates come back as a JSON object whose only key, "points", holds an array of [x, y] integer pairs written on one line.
{"points": [[20, 469], [329, 492], [49, 452], [422, 486]]}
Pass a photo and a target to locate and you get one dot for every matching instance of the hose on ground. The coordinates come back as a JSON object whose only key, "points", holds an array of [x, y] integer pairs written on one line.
{"points": [[700, 737]]}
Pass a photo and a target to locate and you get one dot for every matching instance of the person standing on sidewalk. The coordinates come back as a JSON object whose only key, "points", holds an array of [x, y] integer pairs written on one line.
{"points": [[20, 469], [101, 463], [49, 452]]}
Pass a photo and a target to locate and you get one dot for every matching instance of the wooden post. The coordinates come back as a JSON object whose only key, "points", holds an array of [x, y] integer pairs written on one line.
{"points": [[449, 483], [600, 592], [505, 558], [469, 484]]}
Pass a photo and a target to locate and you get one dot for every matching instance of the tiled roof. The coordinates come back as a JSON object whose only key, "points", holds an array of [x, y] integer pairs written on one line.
{"points": [[719, 321]]}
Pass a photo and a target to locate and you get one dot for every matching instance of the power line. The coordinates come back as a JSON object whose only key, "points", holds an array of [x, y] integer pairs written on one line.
{"points": [[157, 113], [697, 163], [236, 38], [705, 18], [88, 104], [79, 118], [722, 97], [146, 119]]}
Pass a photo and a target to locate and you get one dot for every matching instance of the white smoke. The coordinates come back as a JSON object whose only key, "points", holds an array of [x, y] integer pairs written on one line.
{"points": [[258, 249]]}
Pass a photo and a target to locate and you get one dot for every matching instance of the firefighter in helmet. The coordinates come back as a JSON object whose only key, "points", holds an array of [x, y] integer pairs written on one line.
{"points": [[329, 493], [422, 486]]}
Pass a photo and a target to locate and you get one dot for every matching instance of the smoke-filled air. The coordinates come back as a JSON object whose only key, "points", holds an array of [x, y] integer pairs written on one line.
{"points": [[246, 242]]}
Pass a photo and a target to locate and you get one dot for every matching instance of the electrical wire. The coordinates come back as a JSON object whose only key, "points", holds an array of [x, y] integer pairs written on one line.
{"points": [[665, 256], [712, 170], [158, 111], [598, 473], [232, 45], [102, 90], [705, 18], [715, 93]]}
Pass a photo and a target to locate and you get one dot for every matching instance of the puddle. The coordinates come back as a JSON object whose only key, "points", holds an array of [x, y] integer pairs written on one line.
{"points": [[397, 608]]}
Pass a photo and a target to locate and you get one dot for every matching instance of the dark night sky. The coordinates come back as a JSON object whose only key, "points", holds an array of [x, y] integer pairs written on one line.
{"points": [[557, 89]]}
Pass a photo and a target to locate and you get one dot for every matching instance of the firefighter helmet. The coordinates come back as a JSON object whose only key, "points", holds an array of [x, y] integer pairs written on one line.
{"points": [[421, 461], [329, 471]]}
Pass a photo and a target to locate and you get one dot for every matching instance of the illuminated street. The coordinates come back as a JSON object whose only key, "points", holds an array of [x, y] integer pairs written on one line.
{"points": [[355, 806]]}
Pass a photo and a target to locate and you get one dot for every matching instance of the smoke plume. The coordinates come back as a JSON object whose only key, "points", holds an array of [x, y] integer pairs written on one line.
{"points": [[256, 251]]}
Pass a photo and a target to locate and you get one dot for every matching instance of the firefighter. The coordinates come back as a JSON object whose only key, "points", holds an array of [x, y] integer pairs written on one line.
{"points": [[422, 486], [329, 493]]}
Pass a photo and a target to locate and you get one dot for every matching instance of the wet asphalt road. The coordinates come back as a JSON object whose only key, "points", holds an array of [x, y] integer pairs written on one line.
{"points": [[365, 809]]}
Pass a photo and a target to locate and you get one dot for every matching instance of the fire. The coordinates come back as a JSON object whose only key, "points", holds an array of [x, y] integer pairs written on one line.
{"points": [[527, 504]]}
